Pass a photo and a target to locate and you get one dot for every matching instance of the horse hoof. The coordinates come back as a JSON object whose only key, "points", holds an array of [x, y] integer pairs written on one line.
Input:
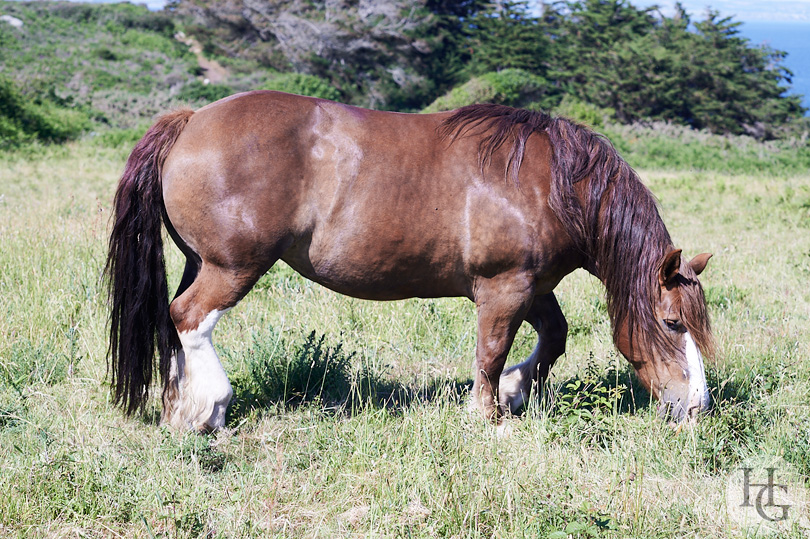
{"points": [[504, 430]]}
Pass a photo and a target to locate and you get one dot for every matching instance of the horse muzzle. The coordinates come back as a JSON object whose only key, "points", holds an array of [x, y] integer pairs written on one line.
{"points": [[684, 406], [684, 400]]}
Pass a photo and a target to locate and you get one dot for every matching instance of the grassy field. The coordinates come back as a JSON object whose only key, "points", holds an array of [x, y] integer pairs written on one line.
{"points": [[382, 445]]}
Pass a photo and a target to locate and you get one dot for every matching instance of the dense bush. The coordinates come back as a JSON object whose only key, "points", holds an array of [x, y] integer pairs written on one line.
{"points": [[301, 84], [580, 111], [514, 87], [279, 373], [199, 92], [23, 119]]}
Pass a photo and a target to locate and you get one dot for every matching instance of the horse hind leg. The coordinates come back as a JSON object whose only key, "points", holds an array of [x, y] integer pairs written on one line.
{"points": [[517, 382], [198, 394], [170, 373]]}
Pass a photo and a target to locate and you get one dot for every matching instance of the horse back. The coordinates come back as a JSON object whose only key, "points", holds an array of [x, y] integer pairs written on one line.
{"points": [[372, 204]]}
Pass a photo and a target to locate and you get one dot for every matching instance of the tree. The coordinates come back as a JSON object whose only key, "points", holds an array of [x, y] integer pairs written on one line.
{"points": [[383, 54], [593, 59], [735, 87], [644, 65], [506, 36]]}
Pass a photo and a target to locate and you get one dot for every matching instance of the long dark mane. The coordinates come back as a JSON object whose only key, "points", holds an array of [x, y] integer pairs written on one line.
{"points": [[611, 217]]}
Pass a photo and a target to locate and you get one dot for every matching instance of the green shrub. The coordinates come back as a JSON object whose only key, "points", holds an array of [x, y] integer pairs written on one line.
{"points": [[11, 134], [53, 123], [139, 39], [312, 370], [582, 112], [514, 87], [586, 408], [302, 84], [106, 54], [197, 92], [23, 119]]}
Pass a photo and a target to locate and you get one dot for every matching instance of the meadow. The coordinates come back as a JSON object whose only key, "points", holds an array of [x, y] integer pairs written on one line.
{"points": [[350, 417]]}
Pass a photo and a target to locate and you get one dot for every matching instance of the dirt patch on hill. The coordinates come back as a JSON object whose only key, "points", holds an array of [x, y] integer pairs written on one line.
{"points": [[213, 71]]}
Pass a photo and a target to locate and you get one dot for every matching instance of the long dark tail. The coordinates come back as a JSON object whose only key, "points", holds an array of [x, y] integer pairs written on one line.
{"points": [[139, 297]]}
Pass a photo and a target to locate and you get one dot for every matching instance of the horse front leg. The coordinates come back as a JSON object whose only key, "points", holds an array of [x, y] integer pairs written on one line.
{"points": [[517, 381], [502, 303]]}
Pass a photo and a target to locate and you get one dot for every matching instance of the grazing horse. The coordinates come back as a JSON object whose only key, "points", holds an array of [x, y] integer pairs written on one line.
{"points": [[487, 202]]}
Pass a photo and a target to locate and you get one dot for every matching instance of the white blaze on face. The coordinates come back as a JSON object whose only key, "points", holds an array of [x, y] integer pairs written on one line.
{"points": [[698, 397]]}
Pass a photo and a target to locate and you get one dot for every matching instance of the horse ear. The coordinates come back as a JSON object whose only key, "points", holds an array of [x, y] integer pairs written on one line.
{"points": [[670, 267], [698, 263]]}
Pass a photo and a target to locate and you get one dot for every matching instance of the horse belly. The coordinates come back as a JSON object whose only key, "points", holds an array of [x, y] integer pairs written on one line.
{"points": [[379, 262]]}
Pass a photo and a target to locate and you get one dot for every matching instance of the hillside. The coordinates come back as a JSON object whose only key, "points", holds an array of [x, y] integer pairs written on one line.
{"points": [[72, 68], [116, 63], [112, 66]]}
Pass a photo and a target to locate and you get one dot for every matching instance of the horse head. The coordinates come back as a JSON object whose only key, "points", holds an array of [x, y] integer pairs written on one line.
{"points": [[670, 363]]}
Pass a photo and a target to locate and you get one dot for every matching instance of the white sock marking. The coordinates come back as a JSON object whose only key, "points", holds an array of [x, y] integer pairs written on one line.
{"points": [[516, 382], [204, 387]]}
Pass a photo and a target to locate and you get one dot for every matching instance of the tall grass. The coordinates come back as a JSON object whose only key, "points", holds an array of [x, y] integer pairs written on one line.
{"points": [[659, 145], [376, 441]]}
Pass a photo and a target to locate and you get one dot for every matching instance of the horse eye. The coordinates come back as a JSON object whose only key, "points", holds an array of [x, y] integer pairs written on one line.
{"points": [[672, 325]]}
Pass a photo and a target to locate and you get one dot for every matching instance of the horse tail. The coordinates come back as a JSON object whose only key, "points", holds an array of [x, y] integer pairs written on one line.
{"points": [[135, 269]]}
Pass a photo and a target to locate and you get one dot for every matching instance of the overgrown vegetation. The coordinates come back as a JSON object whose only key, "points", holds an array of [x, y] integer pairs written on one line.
{"points": [[637, 63], [513, 87], [25, 119], [277, 374], [664, 146], [74, 68], [114, 64]]}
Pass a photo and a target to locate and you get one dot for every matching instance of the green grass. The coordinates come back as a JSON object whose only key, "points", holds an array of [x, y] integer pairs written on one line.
{"points": [[381, 444], [662, 146]]}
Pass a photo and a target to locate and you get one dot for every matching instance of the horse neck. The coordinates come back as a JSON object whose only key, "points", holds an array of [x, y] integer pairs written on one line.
{"points": [[611, 217], [626, 242]]}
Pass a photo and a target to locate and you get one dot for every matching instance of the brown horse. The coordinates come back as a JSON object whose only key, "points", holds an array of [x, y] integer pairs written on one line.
{"points": [[488, 202]]}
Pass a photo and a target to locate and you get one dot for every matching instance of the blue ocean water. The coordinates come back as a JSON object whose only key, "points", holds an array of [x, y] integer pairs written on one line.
{"points": [[792, 37]]}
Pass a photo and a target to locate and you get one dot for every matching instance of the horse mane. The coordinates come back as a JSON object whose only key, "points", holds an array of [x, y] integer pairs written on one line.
{"points": [[614, 219]]}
